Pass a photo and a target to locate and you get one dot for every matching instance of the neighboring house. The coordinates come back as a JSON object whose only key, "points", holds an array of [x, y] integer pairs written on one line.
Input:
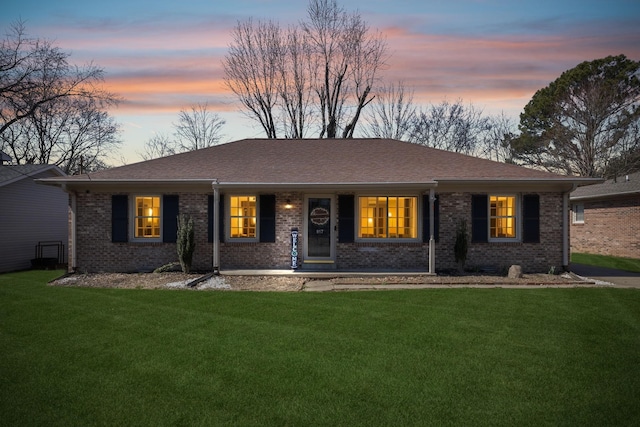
{"points": [[343, 204], [29, 214], [606, 218]]}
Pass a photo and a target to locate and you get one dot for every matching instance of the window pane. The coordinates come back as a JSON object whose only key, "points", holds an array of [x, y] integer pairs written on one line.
{"points": [[243, 216], [388, 217], [502, 217], [578, 213], [147, 219]]}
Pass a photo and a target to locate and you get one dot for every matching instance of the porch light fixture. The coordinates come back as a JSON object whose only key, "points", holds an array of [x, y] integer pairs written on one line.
{"points": [[288, 204]]}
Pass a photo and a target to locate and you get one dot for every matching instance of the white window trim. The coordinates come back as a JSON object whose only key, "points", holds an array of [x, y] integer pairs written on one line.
{"points": [[574, 215], [227, 218], [132, 225], [518, 237], [418, 237]]}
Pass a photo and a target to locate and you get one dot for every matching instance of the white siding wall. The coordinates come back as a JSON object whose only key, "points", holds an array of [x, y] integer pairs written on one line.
{"points": [[30, 213]]}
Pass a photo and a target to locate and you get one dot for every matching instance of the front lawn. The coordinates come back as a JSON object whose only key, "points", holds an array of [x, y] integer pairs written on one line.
{"points": [[626, 264], [85, 356]]}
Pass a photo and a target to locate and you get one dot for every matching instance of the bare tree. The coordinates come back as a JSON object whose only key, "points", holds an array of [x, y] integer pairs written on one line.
{"points": [[34, 72], [251, 70], [51, 111], [294, 81], [497, 140], [159, 145], [348, 57], [452, 127], [73, 133], [325, 70], [392, 114], [195, 129], [198, 128]]}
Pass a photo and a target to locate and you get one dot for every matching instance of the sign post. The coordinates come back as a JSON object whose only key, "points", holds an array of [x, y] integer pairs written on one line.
{"points": [[294, 248]]}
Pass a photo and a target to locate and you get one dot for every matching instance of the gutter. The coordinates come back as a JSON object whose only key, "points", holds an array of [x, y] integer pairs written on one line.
{"points": [[600, 196]]}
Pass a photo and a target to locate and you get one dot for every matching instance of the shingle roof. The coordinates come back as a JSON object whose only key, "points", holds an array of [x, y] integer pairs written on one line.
{"points": [[627, 184], [300, 161], [12, 173]]}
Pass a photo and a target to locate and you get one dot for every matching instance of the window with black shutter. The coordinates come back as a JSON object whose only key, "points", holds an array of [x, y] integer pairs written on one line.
{"points": [[119, 218], [479, 218], [531, 218], [426, 213], [346, 218], [267, 214]]}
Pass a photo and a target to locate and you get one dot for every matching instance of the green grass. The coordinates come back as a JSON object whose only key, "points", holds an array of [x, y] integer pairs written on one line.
{"points": [[79, 356], [626, 264]]}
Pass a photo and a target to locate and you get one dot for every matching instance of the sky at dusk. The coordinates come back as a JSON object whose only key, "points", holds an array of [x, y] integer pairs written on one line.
{"points": [[162, 56]]}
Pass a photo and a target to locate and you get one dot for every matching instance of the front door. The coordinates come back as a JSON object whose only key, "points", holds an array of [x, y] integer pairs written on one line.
{"points": [[319, 242]]}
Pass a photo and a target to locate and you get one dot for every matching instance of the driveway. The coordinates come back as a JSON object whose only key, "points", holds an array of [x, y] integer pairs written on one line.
{"points": [[620, 278]]}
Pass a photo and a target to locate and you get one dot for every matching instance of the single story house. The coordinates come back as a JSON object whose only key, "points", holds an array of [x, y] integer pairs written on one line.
{"points": [[31, 214], [341, 204], [605, 218]]}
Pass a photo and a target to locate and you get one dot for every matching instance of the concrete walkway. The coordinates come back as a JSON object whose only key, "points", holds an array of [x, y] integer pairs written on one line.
{"points": [[620, 278]]}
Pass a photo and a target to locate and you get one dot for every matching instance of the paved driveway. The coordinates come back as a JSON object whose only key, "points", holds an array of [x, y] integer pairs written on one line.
{"points": [[624, 279]]}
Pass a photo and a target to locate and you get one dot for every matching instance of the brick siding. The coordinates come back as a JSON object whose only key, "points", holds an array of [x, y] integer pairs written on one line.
{"points": [[611, 227], [96, 253]]}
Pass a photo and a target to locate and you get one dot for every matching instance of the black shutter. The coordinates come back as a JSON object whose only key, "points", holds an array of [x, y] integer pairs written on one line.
{"points": [[170, 218], [346, 218], [479, 218], [210, 219], [267, 213], [119, 218], [425, 219], [531, 218]]}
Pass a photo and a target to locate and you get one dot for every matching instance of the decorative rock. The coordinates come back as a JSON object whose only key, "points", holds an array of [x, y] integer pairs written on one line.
{"points": [[515, 272]]}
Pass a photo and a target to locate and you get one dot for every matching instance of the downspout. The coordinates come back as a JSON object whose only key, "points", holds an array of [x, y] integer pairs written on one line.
{"points": [[432, 240], [565, 228], [216, 227]]}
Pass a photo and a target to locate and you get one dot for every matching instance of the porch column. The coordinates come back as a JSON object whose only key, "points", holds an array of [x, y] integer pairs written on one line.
{"points": [[216, 228], [73, 207], [565, 230], [432, 239]]}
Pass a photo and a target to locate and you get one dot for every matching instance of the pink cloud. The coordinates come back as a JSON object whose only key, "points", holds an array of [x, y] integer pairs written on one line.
{"points": [[167, 67], [491, 69]]}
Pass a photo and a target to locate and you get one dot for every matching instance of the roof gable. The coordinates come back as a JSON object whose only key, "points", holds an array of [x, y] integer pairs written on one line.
{"points": [[12, 173]]}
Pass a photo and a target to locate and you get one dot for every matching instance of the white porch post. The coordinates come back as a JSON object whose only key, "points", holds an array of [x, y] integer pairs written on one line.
{"points": [[565, 230], [216, 227], [432, 240], [72, 231]]}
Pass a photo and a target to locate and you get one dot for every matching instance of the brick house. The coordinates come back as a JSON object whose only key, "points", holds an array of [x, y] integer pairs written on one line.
{"points": [[605, 218], [350, 204]]}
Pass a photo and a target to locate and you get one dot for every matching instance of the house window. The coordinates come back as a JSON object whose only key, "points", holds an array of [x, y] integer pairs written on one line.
{"points": [[502, 217], [243, 217], [578, 213], [386, 217], [147, 217]]}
